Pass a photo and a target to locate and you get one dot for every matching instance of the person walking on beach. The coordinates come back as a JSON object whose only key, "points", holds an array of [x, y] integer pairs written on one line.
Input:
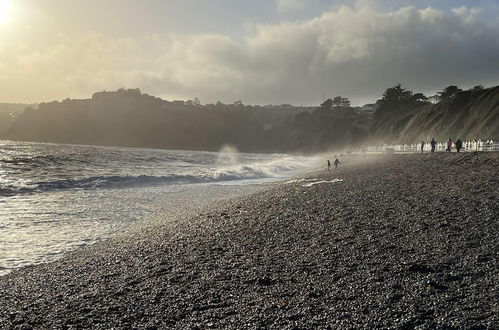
{"points": [[336, 163], [449, 145], [328, 165], [433, 144], [422, 146], [459, 144]]}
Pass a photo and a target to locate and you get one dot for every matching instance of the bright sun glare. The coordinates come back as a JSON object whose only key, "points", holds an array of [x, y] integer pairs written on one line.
{"points": [[4, 10]]}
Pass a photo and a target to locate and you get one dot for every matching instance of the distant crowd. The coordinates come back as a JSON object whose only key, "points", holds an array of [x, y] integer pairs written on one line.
{"points": [[436, 146], [458, 145], [424, 146]]}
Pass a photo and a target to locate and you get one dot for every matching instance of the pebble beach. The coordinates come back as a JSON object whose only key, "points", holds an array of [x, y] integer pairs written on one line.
{"points": [[385, 241]]}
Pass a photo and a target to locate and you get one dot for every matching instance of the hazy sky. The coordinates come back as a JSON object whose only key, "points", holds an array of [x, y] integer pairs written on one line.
{"points": [[257, 51]]}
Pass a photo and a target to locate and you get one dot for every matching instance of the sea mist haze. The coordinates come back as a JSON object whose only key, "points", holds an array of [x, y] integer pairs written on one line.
{"points": [[236, 164], [56, 198]]}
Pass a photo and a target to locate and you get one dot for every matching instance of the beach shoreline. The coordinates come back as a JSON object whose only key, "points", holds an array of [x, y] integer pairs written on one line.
{"points": [[384, 241]]}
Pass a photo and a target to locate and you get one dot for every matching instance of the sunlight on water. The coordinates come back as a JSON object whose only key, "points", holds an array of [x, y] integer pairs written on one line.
{"points": [[57, 198], [38, 228]]}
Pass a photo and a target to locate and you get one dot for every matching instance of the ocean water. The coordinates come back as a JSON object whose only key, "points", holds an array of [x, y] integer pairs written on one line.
{"points": [[56, 198]]}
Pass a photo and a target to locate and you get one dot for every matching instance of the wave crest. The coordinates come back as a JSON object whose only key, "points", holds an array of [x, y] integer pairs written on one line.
{"points": [[277, 168]]}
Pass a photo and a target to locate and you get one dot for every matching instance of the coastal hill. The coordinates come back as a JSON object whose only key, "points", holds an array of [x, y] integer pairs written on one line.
{"points": [[471, 114], [128, 117], [8, 113]]}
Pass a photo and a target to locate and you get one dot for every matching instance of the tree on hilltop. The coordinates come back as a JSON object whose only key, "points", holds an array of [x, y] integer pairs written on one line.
{"points": [[478, 88], [395, 95], [193, 103], [336, 102], [327, 105], [340, 102], [449, 92], [398, 100], [419, 98]]}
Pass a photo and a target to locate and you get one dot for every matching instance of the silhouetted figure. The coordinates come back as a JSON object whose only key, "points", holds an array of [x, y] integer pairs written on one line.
{"points": [[449, 145], [422, 146], [459, 144], [336, 163], [328, 165], [433, 144]]}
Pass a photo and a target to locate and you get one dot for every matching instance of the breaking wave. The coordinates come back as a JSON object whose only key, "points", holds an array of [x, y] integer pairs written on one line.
{"points": [[92, 169]]}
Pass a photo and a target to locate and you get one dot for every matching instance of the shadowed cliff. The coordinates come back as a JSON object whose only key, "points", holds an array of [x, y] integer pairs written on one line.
{"points": [[130, 118], [468, 114]]}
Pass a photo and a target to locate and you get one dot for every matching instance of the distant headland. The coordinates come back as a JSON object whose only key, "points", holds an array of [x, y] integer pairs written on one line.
{"points": [[127, 117]]}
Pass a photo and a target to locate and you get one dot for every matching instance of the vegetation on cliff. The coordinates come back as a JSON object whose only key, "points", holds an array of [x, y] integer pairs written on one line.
{"points": [[471, 114], [128, 117]]}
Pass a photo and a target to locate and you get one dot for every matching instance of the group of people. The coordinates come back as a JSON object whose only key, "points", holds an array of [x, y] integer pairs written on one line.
{"points": [[434, 146], [336, 163], [433, 143]]}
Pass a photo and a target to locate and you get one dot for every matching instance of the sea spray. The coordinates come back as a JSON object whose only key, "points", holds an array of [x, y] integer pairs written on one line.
{"points": [[228, 156], [56, 198]]}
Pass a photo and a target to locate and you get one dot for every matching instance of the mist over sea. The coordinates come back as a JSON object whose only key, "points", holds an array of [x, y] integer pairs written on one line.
{"points": [[56, 198]]}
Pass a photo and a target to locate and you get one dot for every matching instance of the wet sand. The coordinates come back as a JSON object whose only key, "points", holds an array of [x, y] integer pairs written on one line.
{"points": [[403, 241]]}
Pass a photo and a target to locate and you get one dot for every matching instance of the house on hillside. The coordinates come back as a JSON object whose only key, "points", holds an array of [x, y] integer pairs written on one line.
{"points": [[368, 109]]}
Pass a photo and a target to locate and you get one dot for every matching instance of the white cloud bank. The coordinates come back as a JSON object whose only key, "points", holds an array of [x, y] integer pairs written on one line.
{"points": [[356, 52]]}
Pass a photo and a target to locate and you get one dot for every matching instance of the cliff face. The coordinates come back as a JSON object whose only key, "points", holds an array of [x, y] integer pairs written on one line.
{"points": [[6, 120], [52, 122], [467, 115], [129, 118], [323, 130], [8, 113]]}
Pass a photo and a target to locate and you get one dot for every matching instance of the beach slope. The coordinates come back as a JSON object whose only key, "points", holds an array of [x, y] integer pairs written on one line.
{"points": [[384, 241]]}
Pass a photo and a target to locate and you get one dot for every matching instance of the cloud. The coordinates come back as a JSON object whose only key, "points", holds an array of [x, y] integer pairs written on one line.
{"points": [[290, 5], [70, 67], [467, 15], [353, 51]]}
